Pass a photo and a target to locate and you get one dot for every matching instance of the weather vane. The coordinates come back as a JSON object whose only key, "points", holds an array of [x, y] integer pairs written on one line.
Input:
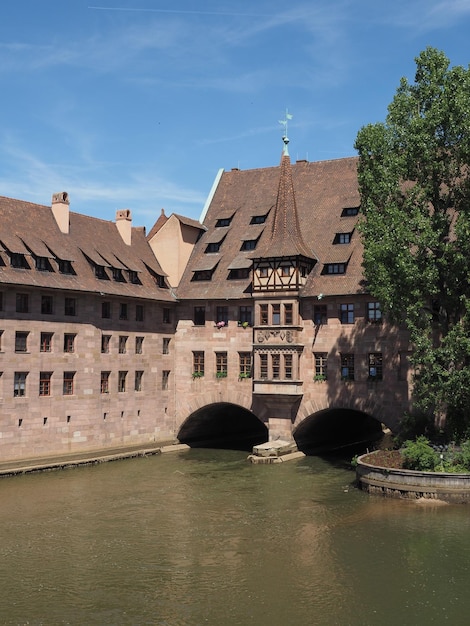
{"points": [[285, 121]]}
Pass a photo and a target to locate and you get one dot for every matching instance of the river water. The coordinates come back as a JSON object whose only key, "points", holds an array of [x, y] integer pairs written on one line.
{"points": [[205, 538]]}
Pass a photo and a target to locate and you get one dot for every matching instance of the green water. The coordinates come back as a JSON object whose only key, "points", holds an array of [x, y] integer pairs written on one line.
{"points": [[206, 538]]}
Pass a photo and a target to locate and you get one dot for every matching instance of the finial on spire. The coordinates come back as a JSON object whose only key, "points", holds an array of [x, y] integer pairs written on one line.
{"points": [[284, 123]]}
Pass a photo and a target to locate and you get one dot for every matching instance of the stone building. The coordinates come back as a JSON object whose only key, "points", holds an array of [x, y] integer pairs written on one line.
{"points": [[255, 324]]}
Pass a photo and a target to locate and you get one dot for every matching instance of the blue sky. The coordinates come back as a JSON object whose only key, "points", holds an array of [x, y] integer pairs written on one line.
{"points": [[138, 103]]}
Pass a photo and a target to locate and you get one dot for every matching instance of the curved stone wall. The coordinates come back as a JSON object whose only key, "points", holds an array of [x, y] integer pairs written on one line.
{"points": [[410, 484]]}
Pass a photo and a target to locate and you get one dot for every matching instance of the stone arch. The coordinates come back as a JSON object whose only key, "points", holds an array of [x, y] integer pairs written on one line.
{"points": [[188, 404], [222, 425], [368, 406]]}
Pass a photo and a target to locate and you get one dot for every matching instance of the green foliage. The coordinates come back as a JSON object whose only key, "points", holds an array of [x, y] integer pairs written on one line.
{"points": [[419, 455], [415, 198]]}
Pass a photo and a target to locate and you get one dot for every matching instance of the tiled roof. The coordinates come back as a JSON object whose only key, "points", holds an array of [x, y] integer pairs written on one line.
{"points": [[31, 228], [322, 190]]}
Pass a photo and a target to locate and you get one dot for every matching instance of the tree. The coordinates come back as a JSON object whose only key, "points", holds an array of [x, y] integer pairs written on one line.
{"points": [[414, 179]]}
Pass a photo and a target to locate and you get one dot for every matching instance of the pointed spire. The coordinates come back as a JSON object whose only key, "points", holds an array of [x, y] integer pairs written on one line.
{"points": [[286, 236]]}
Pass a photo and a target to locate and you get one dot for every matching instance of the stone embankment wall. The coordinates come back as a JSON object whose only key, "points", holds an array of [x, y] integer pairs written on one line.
{"points": [[410, 484]]}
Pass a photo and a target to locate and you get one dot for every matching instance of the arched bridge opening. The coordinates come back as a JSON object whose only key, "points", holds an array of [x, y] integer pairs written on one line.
{"points": [[333, 429], [223, 425]]}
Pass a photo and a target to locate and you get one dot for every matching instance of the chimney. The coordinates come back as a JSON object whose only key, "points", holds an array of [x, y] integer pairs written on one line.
{"points": [[124, 225], [60, 209]]}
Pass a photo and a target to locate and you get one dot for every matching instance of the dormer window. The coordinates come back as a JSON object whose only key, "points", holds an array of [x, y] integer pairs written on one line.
{"points": [[133, 277], [202, 275], [118, 275], [249, 244], [258, 219], [43, 264], [341, 238], [213, 247], [65, 267], [19, 261], [223, 221], [349, 211], [100, 272], [335, 268]]}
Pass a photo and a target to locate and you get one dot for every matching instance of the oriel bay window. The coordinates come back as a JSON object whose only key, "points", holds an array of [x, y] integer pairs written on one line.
{"points": [[276, 314], [278, 365]]}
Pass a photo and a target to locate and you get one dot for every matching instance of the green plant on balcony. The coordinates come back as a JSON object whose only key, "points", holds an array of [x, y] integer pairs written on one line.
{"points": [[243, 375]]}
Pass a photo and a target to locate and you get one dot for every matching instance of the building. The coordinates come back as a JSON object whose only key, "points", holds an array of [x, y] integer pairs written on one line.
{"points": [[255, 324]]}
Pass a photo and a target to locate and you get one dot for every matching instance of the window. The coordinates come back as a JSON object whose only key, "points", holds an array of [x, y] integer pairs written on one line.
{"points": [[165, 379], [199, 315], [106, 310], [375, 366], [65, 267], [123, 311], [263, 362], [118, 275], [347, 313], [320, 315], [46, 305], [285, 270], [223, 221], [1, 300], [239, 273], [222, 314], [22, 303], [276, 314], [105, 341], [245, 315], [263, 314], [288, 366], [288, 314], [138, 380], [139, 312], [166, 315], [249, 244], [244, 364], [166, 345], [45, 383], [100, 272], [258, 219], [43, 264], [122, 376], [321, 371], [347, 366], [46, 342], [342, 238], [202, 275], [335, 268], [374, 314], [221, 364], [19, 261], [104, 383], [276, 365], [122, 344], [348, 211], [68, 383], [262, 272], [21, 341], [69, 342], [133, 277], [19, 384], [70, 306], [139, 341], [213, 247], [198, 364]]}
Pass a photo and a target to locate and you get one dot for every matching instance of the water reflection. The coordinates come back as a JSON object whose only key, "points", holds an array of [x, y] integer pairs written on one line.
{"points": [[206, 538]]}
